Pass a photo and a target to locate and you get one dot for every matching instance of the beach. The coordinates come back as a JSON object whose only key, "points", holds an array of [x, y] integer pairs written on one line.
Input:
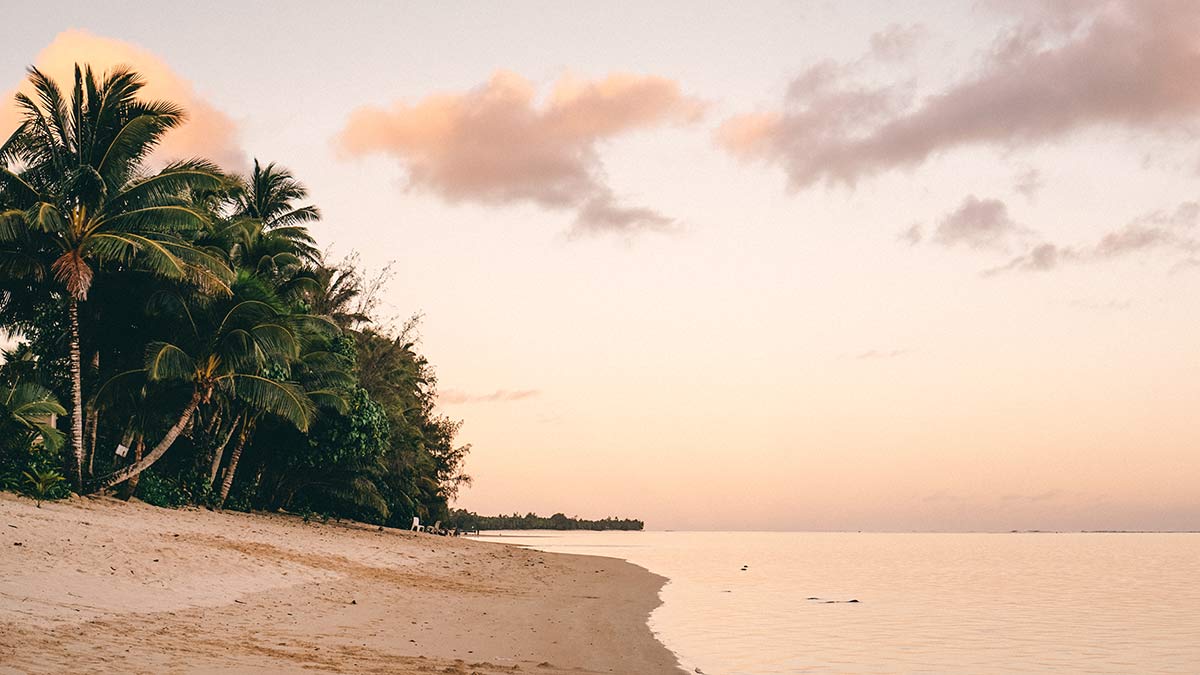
{"points": [[101, 585]]}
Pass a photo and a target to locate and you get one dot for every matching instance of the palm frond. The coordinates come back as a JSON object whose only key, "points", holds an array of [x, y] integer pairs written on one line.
{"points": [[284, 399], [165, 361], [162, 218], [173, 182]]}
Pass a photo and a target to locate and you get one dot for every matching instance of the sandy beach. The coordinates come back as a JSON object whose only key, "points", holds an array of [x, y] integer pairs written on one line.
{"points": [[98, 585]]}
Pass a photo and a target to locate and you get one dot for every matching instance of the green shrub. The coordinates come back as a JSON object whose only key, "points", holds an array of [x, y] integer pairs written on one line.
{"points": [[43, 484], [159, 490], [31, 472], [241, 498], [172, 492]]}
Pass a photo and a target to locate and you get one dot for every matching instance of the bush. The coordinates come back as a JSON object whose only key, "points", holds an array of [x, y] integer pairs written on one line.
{"points": [[42, 485], [18, 467], [173, 492]]}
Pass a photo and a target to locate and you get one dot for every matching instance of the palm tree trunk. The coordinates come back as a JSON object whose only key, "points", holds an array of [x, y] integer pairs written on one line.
{"points": [[92, 422], [127, 440], [158, 451], [138, 449], [91, 449], [227, 481], [219, 452], [76, 394]]}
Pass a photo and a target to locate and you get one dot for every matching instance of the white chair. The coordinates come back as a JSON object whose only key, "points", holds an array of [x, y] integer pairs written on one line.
{"points": [[416, 526]]}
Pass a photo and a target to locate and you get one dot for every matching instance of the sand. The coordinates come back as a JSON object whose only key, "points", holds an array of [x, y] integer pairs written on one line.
{"points": [[98, 585]]}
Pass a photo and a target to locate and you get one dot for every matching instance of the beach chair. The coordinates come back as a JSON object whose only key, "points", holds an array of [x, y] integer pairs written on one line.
{"points": [[416, 526]]}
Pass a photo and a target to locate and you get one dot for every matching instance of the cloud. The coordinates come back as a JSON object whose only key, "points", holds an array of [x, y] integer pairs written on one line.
{"points": [[501, 144], [977, 223], [602, 214], [896, 42], [455, 396], [821, 110], [1028, 183], [1040, 258], [207, 133], [1186, 265], [874, 354], [913, 235], [1171, 230], [1122, 64]]}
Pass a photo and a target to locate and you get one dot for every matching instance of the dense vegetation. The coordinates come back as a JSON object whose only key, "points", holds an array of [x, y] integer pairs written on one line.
{"points": [[466, 520], [181, 336]]}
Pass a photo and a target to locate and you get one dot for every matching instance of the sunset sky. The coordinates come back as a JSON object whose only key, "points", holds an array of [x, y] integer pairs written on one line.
{"points": [[824, 265]]}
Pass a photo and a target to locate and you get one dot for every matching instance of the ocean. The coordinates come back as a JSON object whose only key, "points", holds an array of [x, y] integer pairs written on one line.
{"points": [[773, 603]]}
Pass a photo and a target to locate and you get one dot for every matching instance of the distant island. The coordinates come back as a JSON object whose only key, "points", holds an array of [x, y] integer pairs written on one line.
{"points": [[467, 520]]}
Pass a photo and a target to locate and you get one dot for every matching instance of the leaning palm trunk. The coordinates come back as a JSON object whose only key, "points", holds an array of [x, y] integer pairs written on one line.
{"points": [[139, 448], [219, 452], [76, 395], [159, 450], [227, 481]]}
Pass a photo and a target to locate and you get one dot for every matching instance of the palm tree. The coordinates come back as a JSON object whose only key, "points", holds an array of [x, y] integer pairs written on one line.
{"points": [[240, 349], [269, 194], [270, 230], [76, 196], [337, 294], [321, 375]]}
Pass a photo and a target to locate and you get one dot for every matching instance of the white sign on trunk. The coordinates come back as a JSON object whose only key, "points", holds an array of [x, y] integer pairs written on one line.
{"points": [[122, 450]]}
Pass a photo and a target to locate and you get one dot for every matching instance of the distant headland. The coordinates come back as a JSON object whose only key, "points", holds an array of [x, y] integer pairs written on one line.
{"points": [[467, 520]]}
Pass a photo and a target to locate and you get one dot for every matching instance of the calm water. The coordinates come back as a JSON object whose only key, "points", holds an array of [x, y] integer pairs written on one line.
{"points": [[928, 603]]}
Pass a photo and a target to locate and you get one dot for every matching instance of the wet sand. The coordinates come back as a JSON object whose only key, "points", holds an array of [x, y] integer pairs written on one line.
{"points": [[99, 585]]}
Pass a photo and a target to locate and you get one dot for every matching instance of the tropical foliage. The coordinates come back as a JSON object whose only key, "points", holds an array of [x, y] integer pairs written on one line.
{"points": [[181, 336]]}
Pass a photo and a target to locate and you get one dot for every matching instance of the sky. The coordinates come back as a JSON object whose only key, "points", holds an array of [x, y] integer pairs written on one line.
{"points": [[785, 266]]}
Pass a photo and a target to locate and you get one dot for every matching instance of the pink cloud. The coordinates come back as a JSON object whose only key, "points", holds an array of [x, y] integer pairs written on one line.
{"points": [[977, 223], [501, 144], [896, 42], [877, 354], [455, 396], [1171, 231], [1128, 64], [208, 132]]}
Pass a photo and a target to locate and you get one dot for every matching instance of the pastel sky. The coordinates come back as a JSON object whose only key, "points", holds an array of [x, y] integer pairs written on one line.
{"points": [[824, 265]]}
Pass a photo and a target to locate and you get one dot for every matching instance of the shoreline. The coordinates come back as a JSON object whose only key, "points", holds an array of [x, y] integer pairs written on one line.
{"points": [[100, 585]]}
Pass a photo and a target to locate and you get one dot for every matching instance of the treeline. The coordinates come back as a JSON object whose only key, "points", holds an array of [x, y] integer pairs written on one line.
{"points": [[181, 336], [467, 520]]}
